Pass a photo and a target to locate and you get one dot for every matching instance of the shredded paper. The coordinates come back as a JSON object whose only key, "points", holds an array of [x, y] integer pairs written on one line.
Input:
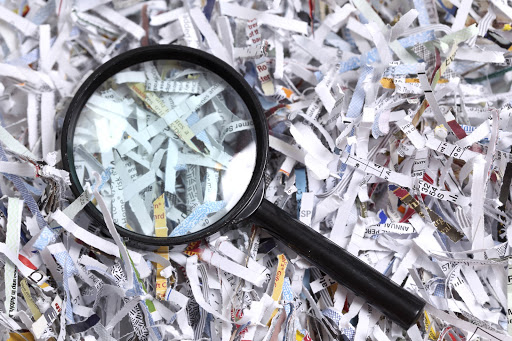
{"points": [[390, 134]]}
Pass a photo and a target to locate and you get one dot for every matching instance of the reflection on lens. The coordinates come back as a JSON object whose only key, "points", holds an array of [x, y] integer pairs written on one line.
{"points": [[175, 145]]}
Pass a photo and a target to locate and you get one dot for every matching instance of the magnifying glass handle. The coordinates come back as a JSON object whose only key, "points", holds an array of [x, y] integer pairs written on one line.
{"points": [[398, 304]]}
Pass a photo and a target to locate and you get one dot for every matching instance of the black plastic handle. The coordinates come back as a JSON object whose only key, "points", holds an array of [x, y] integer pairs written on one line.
{"points": [[398, 304]]}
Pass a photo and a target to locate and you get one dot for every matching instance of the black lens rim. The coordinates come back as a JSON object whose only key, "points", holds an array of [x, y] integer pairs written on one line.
{"points": [[172, 52]]}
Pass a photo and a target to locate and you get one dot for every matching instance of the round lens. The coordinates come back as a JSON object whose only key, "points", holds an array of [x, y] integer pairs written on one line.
{"points": [[174, 143]]}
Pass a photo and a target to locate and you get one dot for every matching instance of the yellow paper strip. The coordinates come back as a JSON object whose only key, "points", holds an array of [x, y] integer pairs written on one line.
{"points": [[279, 281], [25, 290], [153, 101], [178, 126], [160, 231], [388, 83], [21, 336], [429, 328]]}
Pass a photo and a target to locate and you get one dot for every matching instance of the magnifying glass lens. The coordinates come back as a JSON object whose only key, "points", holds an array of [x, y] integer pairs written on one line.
{"points": [[176, 142]]}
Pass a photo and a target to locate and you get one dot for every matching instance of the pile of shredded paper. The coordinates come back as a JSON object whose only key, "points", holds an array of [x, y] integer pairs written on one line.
{"points": [[391, 135]]}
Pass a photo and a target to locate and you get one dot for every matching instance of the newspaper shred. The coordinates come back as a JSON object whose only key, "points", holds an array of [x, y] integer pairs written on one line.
{"points": [[391, 135]]}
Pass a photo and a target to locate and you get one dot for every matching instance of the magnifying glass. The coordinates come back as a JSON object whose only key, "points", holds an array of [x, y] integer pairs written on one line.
{"points": [[183, 141]]}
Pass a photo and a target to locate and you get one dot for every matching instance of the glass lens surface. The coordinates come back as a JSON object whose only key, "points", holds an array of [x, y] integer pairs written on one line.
{"points": [[174, 143]]}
